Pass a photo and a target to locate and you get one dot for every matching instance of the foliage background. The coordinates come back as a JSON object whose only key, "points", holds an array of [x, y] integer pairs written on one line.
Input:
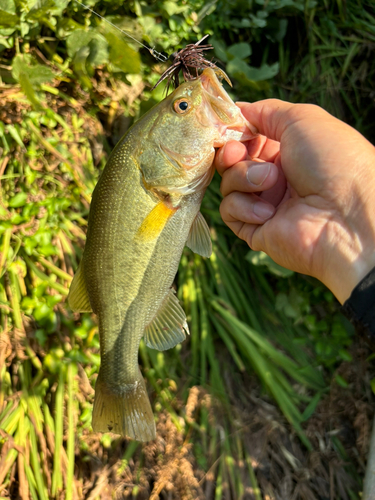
{"points": [[271, 396]]}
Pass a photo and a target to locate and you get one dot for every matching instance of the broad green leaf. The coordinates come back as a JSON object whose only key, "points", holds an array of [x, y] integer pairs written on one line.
{"points": [[78, 39], [66, 27], [28, 90], [42, 312], [173, 7], [18, 200], [276, 29], [219, 49], [79, 63], [259, 21], [24, 28], [262, 259], [5, 32], [170, 8], [240, 50], [125, 23], [7, 20], [30, 75], [207, 9], [241, 23], [8, 6], [41, 9], [94, 41], [98, 52], [48, 250], [36, 73], [39, 74], [245, 73], [122, 56], [60, 5], [4, 42]]}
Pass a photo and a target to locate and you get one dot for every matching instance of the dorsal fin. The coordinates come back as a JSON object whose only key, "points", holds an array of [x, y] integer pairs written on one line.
{"points": [[168, 327]]}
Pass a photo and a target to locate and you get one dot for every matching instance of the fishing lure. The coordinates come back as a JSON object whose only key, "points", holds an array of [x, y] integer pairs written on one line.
{"points": [[191, 57]]}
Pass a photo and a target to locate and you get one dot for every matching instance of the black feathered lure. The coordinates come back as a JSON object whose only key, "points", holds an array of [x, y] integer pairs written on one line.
{"points": [[185, 60]]}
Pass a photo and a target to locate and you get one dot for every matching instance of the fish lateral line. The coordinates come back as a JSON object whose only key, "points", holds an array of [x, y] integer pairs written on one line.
{"points": [[157, 55]]}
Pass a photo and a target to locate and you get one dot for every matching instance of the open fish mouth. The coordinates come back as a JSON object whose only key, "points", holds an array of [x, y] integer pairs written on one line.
{"points": [[213, 86], [224, 114]]}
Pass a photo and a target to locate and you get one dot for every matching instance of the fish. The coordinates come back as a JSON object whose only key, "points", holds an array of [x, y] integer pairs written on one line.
{"points": [[145, 208]]}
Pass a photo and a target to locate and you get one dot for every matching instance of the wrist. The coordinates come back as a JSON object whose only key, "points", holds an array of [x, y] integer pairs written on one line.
{"points": [[353, 257]]}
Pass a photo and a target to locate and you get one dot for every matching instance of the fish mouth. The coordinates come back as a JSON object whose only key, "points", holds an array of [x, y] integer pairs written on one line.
{"points": [[224, 114]]}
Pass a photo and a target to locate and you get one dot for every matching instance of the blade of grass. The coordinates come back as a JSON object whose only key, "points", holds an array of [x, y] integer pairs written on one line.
{"points": [[14, 299], [277, 357], [10, 423], [51, 283], [35, 463], [55, 270], [254, 483], [270, 378], [56, 475], [204, 328], [219, 483], [6, 463], [21, 440], [229, 343], [194, 323], [71, 372], [5, 249], [131, 448], [31, 482]]}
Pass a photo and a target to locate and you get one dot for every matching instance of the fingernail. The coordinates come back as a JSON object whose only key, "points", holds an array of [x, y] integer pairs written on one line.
{"points": [[219, 157], [263, 210], [257, 173]]}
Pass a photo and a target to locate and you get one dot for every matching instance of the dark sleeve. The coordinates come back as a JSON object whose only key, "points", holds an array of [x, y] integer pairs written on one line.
{"points": [[360, 308]]}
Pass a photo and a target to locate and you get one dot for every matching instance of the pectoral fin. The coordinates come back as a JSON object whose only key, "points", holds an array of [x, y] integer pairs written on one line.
{"points": [[78, 298], [168, 327], [155, 222], [199, 239]]}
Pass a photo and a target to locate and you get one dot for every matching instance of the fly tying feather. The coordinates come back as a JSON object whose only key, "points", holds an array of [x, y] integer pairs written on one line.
{"points": [[185, 60]]}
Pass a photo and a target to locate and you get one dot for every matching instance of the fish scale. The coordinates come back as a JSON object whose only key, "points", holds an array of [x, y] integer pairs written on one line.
{"points": [[144, 209]]}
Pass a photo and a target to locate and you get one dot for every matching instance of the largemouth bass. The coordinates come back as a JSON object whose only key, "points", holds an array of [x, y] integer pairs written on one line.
{"points": [[144, 210]]}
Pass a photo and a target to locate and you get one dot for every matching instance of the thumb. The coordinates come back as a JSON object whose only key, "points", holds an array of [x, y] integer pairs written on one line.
{"points": [[273, 117]]}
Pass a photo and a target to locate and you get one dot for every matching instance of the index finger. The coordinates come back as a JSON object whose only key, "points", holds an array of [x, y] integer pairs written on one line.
{"points": [[232, 152], [272, 117]]}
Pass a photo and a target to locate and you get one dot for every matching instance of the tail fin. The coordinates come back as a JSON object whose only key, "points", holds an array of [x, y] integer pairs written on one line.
{"points": [[126, 411]]}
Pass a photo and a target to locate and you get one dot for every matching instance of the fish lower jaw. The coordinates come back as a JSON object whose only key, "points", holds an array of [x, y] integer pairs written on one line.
{"points": [[238, 132]]}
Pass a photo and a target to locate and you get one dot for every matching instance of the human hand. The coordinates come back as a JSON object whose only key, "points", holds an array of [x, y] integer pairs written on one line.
{"points": [[303, 192]]}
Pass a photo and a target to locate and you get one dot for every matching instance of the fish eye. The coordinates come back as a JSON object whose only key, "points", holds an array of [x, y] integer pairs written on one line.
{"points": [[181, 106]]}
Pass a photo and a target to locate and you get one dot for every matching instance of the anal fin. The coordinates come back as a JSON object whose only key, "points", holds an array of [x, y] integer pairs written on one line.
{"points": [[168, 327], [78, 298], [199, 239]]}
